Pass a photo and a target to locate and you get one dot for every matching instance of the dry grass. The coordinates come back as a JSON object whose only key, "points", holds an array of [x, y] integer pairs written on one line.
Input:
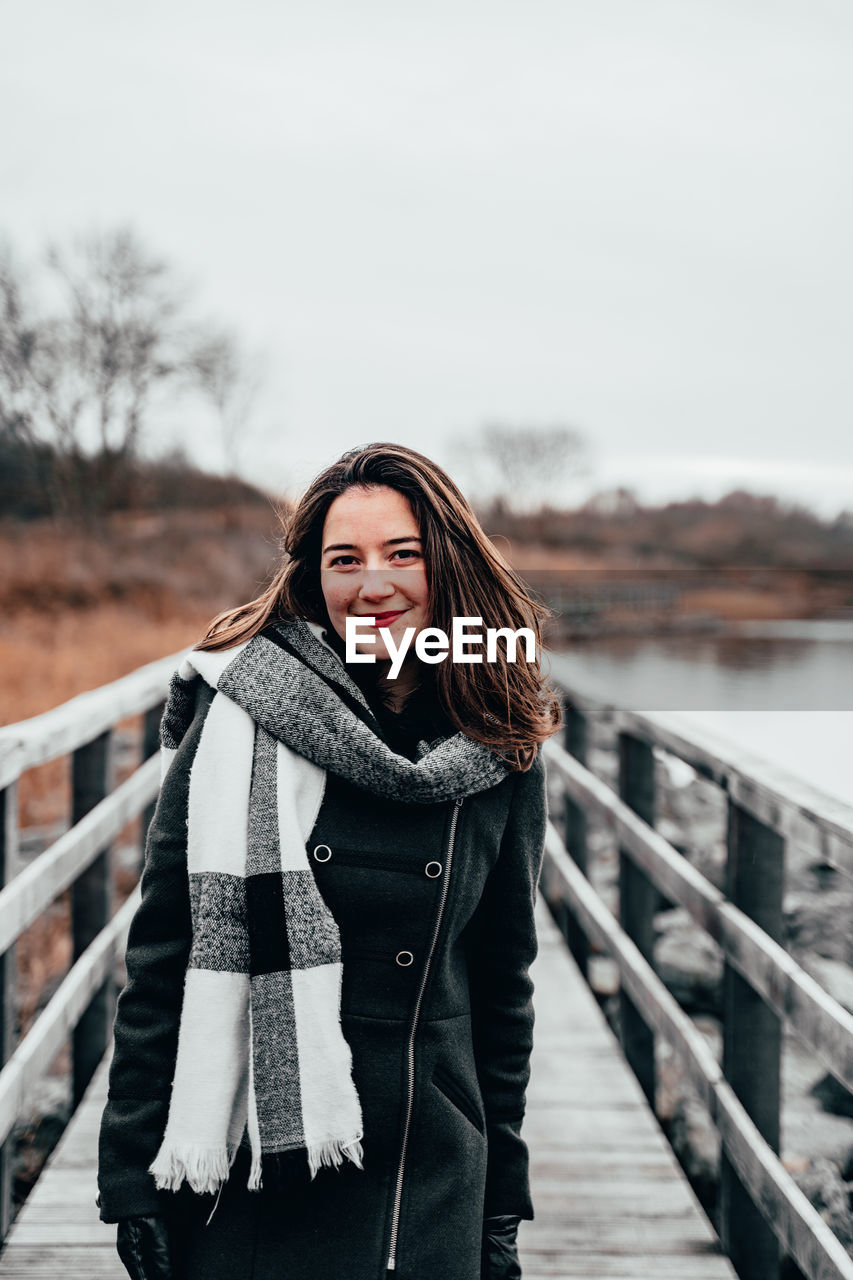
{"points": [[81, 608], [158, 564], [47, 658]]}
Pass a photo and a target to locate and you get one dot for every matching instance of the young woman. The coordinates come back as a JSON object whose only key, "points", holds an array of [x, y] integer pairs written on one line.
{"points": [[322, 1048]]}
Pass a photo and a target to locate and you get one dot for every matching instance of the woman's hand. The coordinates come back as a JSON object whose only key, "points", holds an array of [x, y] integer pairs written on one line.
{"points": [[500, 1251], [143, 1246]]}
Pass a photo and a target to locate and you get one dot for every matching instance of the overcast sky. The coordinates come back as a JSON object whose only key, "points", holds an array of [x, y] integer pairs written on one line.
{"points": [[629, 216]]}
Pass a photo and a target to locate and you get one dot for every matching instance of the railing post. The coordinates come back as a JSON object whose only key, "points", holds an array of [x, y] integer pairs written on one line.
{"points": [[752, 1038], [150, 745], [575, 833], [91, 909], [8, 990], [638, 900]]}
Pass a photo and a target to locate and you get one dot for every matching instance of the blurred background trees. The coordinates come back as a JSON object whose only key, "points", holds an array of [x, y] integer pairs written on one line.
{"points": [[93, 340], [521, 467]]}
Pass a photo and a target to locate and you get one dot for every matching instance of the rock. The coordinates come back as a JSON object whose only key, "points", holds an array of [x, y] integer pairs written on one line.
{"points": [[833, 1097], [847, 1166], [809, 1132], [817, 923], [689, 963], [33, 1143], [603, 976], [826, 1189], [672, 1083], [825, 875], [696, 1144]]}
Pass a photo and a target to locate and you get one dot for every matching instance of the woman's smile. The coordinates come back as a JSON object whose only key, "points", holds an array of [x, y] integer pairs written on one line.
{"points": [[382, 619]]}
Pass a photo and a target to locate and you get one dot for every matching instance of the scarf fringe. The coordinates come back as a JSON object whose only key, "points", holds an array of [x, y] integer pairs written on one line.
{"points": [[333, 1152], [205, 1169]]}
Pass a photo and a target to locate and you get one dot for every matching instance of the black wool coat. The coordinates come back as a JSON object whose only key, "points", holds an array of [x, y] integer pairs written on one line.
{"points": [[435, 907]]}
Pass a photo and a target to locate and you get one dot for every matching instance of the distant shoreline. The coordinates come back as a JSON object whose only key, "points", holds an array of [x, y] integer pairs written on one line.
{"points": [[819, 630]]}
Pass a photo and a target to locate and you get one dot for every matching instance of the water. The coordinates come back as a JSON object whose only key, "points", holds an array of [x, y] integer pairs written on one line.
{"points": [[783, 690]]}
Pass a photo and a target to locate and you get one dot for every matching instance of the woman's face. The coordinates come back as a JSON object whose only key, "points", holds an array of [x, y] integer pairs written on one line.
{"points": [[372, 566]]}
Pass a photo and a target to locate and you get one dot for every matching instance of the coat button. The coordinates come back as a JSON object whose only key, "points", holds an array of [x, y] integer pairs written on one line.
{"points": [[318, 850], [405, 958], [433, 869]]}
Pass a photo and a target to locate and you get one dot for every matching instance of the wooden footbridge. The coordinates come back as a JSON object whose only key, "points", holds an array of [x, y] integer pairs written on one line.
{"points": [[609, 1196]]}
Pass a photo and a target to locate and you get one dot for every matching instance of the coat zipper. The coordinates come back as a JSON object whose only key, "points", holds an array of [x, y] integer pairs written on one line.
{"points": [[398, 1195]]}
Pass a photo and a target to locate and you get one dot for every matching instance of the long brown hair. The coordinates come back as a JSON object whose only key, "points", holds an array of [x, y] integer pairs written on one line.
{"points": [[507, 705]]}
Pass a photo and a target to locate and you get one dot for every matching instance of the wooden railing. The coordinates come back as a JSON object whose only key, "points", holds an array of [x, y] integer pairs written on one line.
{"points": [[762, 1212], [84, 1004]]}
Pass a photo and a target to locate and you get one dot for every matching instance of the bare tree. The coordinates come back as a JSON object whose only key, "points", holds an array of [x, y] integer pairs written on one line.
{"points": [[18, 339], [524, 466], [86, 357], [37, 408], [121, 339], [230, 378]]}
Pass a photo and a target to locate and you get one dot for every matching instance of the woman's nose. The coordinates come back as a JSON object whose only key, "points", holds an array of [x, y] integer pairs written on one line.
{"points": [[376, 585]]}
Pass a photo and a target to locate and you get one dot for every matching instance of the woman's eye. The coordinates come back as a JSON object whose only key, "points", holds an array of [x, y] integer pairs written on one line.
{"points": [[403, 551]]}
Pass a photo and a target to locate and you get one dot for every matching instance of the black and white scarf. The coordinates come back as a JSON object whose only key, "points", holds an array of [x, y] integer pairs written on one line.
{"points": [[260, 1043]]}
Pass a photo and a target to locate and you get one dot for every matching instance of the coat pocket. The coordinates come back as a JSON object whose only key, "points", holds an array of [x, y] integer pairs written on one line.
{"points": [[458, 1096], [366, 859]]}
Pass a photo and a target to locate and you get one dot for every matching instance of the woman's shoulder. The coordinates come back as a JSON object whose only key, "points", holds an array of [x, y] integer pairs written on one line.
{"points": [[529, 788]]}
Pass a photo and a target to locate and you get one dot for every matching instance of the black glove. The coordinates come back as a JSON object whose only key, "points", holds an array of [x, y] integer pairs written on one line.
{"points": [[143, 1246], [500, 1252]]}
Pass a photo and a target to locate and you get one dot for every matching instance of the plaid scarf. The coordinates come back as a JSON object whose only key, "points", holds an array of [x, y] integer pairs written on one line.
{"points": [[260, 1043]]}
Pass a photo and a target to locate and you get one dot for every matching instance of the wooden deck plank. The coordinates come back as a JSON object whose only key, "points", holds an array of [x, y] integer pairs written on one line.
{"points": [[610, 1200], [62, 1205], [609, 1196]]}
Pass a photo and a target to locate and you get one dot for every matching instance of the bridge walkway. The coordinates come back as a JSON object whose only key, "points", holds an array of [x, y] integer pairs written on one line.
{"points": [[610, 1200]]}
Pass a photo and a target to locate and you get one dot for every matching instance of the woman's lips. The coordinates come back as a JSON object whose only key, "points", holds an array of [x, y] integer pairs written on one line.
{"points": [[381, 619]]}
